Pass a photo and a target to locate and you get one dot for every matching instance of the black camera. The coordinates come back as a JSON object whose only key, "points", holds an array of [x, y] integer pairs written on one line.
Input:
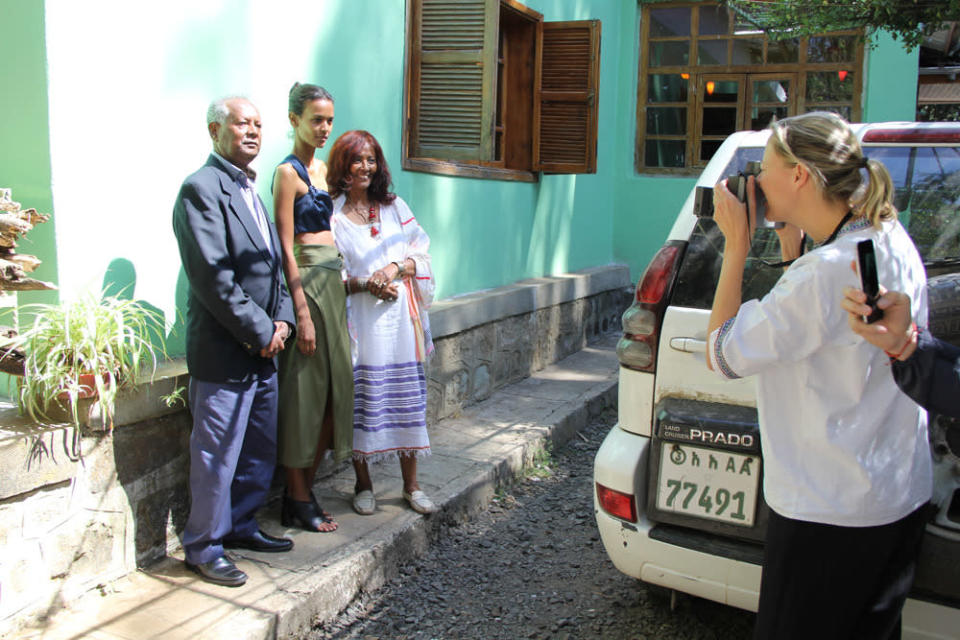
{"points": [[703, 198]]}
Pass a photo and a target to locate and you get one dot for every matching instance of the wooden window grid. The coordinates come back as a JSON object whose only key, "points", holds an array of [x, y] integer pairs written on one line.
{"points": [[683, 73]]}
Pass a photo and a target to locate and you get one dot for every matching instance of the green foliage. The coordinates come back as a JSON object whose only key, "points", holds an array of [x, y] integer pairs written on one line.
{"points": [[938, 113], [109, 338], [909, 21], [543, 463], [175, 397]]}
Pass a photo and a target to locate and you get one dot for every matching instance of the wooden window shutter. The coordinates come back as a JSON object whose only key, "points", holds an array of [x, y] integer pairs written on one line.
{"points": [[453, 67], [565, 109]]}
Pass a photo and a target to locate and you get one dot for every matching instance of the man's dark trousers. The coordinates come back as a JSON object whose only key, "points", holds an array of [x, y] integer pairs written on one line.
{"points": [[233, 451]]}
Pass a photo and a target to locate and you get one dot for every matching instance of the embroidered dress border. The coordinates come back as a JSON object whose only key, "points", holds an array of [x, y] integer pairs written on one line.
{"points": [[373, 457], [389, 397], [722, 333]]}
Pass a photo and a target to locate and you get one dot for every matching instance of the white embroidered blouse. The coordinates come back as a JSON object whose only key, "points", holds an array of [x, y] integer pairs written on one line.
{"points": [[841, 444]]}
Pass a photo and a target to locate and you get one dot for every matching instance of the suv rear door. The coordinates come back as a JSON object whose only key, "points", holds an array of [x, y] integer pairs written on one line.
{"points": [[705, 457]]}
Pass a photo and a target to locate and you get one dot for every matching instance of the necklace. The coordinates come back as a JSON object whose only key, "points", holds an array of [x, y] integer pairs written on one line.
{"points": [[833, 236], [370, 217]]}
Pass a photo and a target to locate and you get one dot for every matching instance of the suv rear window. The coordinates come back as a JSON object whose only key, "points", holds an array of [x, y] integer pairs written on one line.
{"points": [[927, 183]]}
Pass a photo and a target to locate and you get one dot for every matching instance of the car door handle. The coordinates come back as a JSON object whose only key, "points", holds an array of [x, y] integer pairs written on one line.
{"points": [[688, 345]]}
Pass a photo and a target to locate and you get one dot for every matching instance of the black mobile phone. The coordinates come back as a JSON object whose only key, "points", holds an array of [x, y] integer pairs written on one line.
{"points": [[867, 263]]}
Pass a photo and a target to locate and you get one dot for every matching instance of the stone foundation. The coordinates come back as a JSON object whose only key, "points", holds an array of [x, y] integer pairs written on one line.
{"points": [[495, 338], [70, 522]]}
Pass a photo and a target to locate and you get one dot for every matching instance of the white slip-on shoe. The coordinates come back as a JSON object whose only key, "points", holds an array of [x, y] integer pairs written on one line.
{"points": [[364, 502], [419, 502]]}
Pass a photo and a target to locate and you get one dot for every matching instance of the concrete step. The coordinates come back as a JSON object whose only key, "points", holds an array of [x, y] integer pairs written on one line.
{"points": [[474, 453]]}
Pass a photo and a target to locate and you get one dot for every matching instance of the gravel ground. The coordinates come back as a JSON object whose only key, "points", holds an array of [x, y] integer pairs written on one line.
{"points": [[532, 566]]}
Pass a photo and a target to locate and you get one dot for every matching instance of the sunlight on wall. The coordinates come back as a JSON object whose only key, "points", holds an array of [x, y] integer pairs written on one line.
{"points": [[127, 120]]}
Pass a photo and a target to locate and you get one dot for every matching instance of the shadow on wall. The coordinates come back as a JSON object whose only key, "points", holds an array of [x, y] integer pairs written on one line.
{"points": [[120, 281], [177, 335], [157, 449], [153, 463], [550, 238]]}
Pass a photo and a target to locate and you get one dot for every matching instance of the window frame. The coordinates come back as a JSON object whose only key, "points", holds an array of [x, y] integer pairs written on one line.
{"points": [[695, 72], [486, 169], [502, 132]]}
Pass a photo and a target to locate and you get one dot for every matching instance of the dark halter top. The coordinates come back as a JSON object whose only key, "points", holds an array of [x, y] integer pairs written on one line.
{"points": [[311, 211]]}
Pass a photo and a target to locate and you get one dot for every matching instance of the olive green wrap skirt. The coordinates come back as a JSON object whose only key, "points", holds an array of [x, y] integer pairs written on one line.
{"points": [[308, 384]]}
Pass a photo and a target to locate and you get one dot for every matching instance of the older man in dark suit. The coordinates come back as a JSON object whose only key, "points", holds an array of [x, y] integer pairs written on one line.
{"points": [[238, 316]]}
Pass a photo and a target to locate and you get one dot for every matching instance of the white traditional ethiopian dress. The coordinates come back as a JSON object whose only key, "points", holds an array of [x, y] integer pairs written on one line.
{"points": [[389, 340]]}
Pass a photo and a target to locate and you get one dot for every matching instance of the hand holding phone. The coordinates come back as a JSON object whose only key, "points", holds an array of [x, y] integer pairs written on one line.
{"points": [[867, 265]]}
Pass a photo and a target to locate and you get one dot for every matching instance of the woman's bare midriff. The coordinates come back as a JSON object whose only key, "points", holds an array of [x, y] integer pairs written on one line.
{"points": [[314, 237]]}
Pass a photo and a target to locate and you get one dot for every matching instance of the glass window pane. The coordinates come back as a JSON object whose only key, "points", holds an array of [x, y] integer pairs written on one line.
{"points": [[665, 153], [721, 91], [708, 148], [783, 51], [669, 54], [714, 21], [895, 159], [831, 49], [719, 122], [667, 87], [933, 194], [829, 86], [760, 117], [666, 121], [712, 52], [747, 51], [771, 91], [669, 22]]}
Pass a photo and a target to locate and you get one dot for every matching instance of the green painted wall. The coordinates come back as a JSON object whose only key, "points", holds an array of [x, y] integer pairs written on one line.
{"points": [[487, 233], [24, 135], [890, 87], [125, 114], [145, 132], [24, 129]]}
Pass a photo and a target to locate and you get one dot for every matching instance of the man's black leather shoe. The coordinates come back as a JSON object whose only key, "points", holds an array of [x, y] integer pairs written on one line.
{"points": [[260, 541], [219, 571]]}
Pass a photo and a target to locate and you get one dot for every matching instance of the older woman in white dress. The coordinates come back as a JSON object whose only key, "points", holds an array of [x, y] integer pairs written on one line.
{"points": [[389, 287]]}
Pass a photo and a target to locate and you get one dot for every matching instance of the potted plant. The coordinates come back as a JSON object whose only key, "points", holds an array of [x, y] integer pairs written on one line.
{"points": [[81, 353]]}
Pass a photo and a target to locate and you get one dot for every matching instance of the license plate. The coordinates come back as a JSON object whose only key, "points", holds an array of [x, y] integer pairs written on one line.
{"points": [[708, 483]]}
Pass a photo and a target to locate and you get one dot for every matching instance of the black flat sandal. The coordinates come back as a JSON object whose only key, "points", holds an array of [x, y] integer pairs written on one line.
{"points": [[305, 515]]}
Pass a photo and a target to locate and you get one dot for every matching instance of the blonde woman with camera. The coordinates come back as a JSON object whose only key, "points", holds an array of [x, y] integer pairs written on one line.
{"points": [[847, 466]]}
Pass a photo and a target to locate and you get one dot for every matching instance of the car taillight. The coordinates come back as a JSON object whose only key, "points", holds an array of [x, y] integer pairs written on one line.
{"points": [[637, 349], [914, 135], [617, 504]]}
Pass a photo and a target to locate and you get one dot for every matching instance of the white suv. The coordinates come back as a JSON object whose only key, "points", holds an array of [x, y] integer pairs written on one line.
{"points": [[679, 500]]}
